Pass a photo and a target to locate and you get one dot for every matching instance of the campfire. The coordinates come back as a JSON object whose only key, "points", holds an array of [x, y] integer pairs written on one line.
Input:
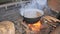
{"points": [[32, 13], [35, 27]]}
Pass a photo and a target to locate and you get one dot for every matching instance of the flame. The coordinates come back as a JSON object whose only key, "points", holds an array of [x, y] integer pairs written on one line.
{"points": [[35, 26]]}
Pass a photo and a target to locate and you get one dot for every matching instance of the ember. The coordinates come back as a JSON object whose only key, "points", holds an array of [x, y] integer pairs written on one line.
{"points": [[36, 26]]}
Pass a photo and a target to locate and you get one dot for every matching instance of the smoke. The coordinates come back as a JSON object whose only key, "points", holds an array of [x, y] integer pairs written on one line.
{"points": [[38, 4], [34, 4]]}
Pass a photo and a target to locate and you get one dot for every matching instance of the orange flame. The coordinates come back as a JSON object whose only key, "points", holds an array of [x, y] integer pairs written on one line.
{"points": [[35, 26]]}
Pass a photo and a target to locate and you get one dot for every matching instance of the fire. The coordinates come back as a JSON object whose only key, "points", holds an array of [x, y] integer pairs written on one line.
{"points": [[35, 26]]}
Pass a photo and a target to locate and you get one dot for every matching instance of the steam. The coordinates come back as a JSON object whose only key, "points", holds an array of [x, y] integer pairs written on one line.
{"points": [[34, 4], [38, 4]]}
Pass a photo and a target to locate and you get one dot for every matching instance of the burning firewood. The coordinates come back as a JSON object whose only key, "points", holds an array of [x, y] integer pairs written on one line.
{"points": [[35, 27]]}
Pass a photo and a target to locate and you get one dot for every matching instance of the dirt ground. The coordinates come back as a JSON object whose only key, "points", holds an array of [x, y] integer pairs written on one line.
{"points": [[54, 4]]}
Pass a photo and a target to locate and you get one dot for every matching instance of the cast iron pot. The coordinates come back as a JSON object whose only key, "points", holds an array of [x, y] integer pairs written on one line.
{"points": [[31, 20]]}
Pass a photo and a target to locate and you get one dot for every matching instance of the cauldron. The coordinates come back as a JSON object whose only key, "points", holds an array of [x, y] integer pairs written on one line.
{"points": [[32, 15], [31, 20]]}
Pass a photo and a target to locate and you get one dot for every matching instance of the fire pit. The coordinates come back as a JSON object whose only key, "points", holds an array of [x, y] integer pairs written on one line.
{"points": [[35, 27]]}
